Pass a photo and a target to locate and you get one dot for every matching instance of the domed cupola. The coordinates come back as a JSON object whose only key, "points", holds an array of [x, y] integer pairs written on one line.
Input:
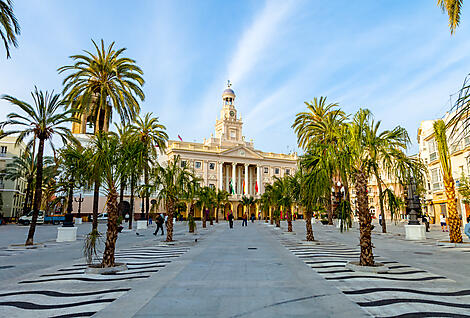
{"points": [[228, 95]]}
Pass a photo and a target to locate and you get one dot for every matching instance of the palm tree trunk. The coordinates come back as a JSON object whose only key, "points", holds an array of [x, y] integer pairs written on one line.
{"points": [[131, 213], [367, 256], [147, 199], [289, 220], [170, 209], [271, 216], [308, 225], [330, 210], [211, 219], [121, 197], [112, 231], [455, 234], [381, 205], [96, 199], [217, 214], [38, 193], [203, 217], [27, 198], [191, 218]]}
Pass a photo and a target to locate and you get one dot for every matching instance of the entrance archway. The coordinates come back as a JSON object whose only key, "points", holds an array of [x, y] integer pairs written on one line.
{"points": [[239, 211]]}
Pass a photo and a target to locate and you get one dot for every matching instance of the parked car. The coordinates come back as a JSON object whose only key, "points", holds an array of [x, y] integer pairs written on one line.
{"points": [[103, 217], [54, 218], [26, 219]]}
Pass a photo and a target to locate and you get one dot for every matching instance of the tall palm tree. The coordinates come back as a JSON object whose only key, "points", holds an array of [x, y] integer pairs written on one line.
{"points": [[43, 120], [383, 147], [152, 135], [106, 154], [220, 198], [283, 187], [24, 166], [453, 219], [247, 202], [205, 201], [9, 26], [171, 180], [319, 126], [191, 193], [132, 150], [452, 8], [97, 85]]}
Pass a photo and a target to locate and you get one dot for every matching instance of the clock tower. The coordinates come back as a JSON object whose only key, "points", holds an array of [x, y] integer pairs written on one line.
{"points": [[229, 128]]}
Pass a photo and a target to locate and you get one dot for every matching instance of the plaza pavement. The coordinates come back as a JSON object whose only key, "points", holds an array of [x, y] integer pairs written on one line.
{"points": [[258, 271]]}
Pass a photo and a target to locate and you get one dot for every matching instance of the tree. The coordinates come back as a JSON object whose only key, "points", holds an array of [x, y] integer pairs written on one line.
{"points": [[319, 126], [99, 83], [190, 194], [24, 167], [453, 219], [152, 135], [285, 198], [221, 197], [205, 200], [171, 180], [9, 26], [247, 202], [106, 154], [43, 120], [452, 8]]}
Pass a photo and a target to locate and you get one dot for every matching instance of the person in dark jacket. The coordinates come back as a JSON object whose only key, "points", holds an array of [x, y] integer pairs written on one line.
{"points": [[159, 221], [230, 220]]}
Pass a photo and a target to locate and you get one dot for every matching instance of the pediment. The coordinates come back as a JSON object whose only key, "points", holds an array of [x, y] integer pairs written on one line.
{"points": [[241, 152]]}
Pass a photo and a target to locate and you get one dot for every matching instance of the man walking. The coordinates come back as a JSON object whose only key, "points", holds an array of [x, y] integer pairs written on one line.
{"points": [[159, 221], [230, 220], [245, 219]]}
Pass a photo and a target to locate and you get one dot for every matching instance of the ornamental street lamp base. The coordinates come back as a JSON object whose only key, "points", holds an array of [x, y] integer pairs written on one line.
{"points": [[415, 232], [66, 234]]}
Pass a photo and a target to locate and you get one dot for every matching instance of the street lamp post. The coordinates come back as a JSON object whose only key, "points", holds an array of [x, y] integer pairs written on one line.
{"points": [[79, 200], [413, 205]]}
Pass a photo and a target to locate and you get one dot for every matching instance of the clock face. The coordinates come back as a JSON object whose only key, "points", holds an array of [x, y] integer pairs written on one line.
{"points": [[232, 113]]}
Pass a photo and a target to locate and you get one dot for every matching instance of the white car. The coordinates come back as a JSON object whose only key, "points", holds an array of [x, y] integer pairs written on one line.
{"points": [[103, 217], [27, 219]]}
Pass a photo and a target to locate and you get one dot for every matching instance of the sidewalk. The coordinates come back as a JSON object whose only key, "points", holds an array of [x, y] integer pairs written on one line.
{"points": [[242, 272]]}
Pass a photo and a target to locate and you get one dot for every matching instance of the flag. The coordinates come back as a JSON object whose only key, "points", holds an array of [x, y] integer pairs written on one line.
{"points": [[231, 187], [180, 138], [243, 187], [256, 187]]}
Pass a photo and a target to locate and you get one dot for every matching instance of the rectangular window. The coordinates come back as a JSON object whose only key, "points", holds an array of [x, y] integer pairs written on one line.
{"points": [[432, 150], [287, 171], [276, 170], [211, 186], [436, 179], [197, 164], [266, 170], [212, 166], [3, 150], [183, 163]]}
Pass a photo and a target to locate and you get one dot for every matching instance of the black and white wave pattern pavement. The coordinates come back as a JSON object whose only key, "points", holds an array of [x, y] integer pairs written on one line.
{"points": [[69, 292], [403, 292]]}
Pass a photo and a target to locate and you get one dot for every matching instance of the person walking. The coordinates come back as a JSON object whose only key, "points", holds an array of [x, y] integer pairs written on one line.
{"points": [[380, 219], [425, 221], [466, 229], [166, 219], [245, 219], [442, 218], [159, 221], [252, 217], [230, 220]]}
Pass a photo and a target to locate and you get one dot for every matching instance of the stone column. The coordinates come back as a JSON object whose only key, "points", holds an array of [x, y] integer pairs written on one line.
{"points": [[227, 178], [258, 179], [221, 181], [246, 179], [233, 175]]}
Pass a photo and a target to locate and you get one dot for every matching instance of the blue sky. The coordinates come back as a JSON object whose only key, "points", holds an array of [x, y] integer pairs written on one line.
{"points": [[396, 58]]}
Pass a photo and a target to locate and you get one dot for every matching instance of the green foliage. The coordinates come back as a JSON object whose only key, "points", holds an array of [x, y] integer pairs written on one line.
{"points": [[99, 83], [394, 203], [9, 26], [91, 244], [464, 188]]}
